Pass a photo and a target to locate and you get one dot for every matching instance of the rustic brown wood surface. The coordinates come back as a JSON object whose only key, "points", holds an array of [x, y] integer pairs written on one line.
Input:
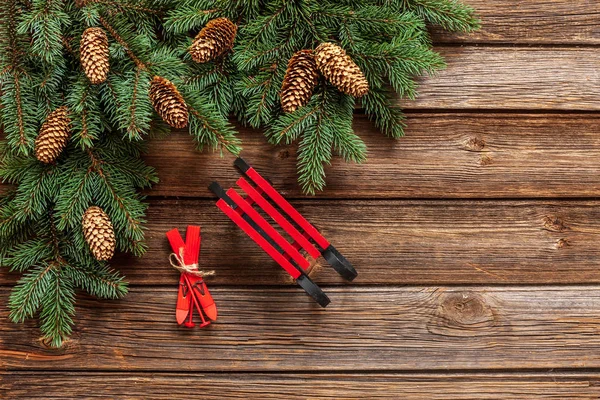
{"points": [[396, 242], [523, 78], [532, 22], [498, 155], [52, 386], [363, 329], [476, 238]]}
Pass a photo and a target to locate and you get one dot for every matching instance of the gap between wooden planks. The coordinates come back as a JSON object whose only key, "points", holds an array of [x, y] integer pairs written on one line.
{"points": [[51, 385], [364, 329], [443, 155], [393, 243]]}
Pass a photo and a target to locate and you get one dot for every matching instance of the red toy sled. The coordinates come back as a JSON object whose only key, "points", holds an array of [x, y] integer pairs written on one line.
{"points": [[305, 236]]}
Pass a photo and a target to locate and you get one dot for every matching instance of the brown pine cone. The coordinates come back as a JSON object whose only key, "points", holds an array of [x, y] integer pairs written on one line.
{"points": [[168, 102], [299, 82], [99, 234], [214, 40], [340, 70], [54, 135], [93, 54]]}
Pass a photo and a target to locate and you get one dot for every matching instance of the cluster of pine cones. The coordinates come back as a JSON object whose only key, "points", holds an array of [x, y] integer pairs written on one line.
{"points": [[214, 40], [333, 63], [97, 227], [56, 129]]}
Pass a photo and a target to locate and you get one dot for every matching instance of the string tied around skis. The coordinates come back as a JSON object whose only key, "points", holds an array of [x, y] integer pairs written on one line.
{"points": [[176, 261]]}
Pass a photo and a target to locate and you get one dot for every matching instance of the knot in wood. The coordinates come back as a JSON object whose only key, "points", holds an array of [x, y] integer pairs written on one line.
{"points": [[46, 344], [485, 160], [462, 314], [475, 144], [554, 224]]}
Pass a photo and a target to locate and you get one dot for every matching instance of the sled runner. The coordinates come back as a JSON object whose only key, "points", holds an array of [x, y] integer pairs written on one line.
{"points": [[306, 237]]}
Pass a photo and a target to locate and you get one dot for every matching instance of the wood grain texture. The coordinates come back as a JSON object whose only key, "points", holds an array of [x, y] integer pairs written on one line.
{"points": [[531, 22], [475, 138], [513, 78], [373, 329], [393, 243], [442, 156], [52, 386]]}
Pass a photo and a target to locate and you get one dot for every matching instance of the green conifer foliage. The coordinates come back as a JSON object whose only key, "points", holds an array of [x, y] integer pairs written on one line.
{"points": [[111, 113], [387, 39], [40, 71]]}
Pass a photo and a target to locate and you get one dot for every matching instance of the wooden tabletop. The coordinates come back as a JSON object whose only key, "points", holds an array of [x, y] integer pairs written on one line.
{"points": [[476, 237]]}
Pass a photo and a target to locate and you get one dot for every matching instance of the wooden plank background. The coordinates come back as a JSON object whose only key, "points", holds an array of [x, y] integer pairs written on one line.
{"points": [[475, 236]]}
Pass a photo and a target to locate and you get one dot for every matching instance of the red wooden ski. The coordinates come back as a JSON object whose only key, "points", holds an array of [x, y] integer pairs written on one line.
{"points": [[193, 291]]}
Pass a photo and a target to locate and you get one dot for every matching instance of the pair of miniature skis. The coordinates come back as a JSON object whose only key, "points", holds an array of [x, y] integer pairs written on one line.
{"points": [[193, 292], [260, 193]]}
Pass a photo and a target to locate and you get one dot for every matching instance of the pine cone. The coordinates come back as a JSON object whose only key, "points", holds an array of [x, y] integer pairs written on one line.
{"points": [[99, 234], [168, 102], [93, 53], [340, 70], [299, 82], [54, 135], [214, 40]]}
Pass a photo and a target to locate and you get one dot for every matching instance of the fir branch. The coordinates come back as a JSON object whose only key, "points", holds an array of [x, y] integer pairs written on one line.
{"points": [[449, 14], [314, 151], [101, 282], [44, 22], [389, 119], [26, 297], [262, 94], [216, 82], [324, 124], [32, 252], [16, 114], [84, 106], [190, 16], [13, 231], [23, 142], [290, 126], [123, 205], [209, 129], [33, 193], [127, 7], [266, 25], [113, 32], [58, 307], [132, 108], [133, 129]]}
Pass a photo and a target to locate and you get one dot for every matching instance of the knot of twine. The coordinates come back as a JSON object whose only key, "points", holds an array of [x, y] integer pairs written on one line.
{"points": [[177, 262]]}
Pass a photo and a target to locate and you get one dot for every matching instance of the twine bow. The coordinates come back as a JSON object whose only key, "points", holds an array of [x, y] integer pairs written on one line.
{"points": [[177, 262]]}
